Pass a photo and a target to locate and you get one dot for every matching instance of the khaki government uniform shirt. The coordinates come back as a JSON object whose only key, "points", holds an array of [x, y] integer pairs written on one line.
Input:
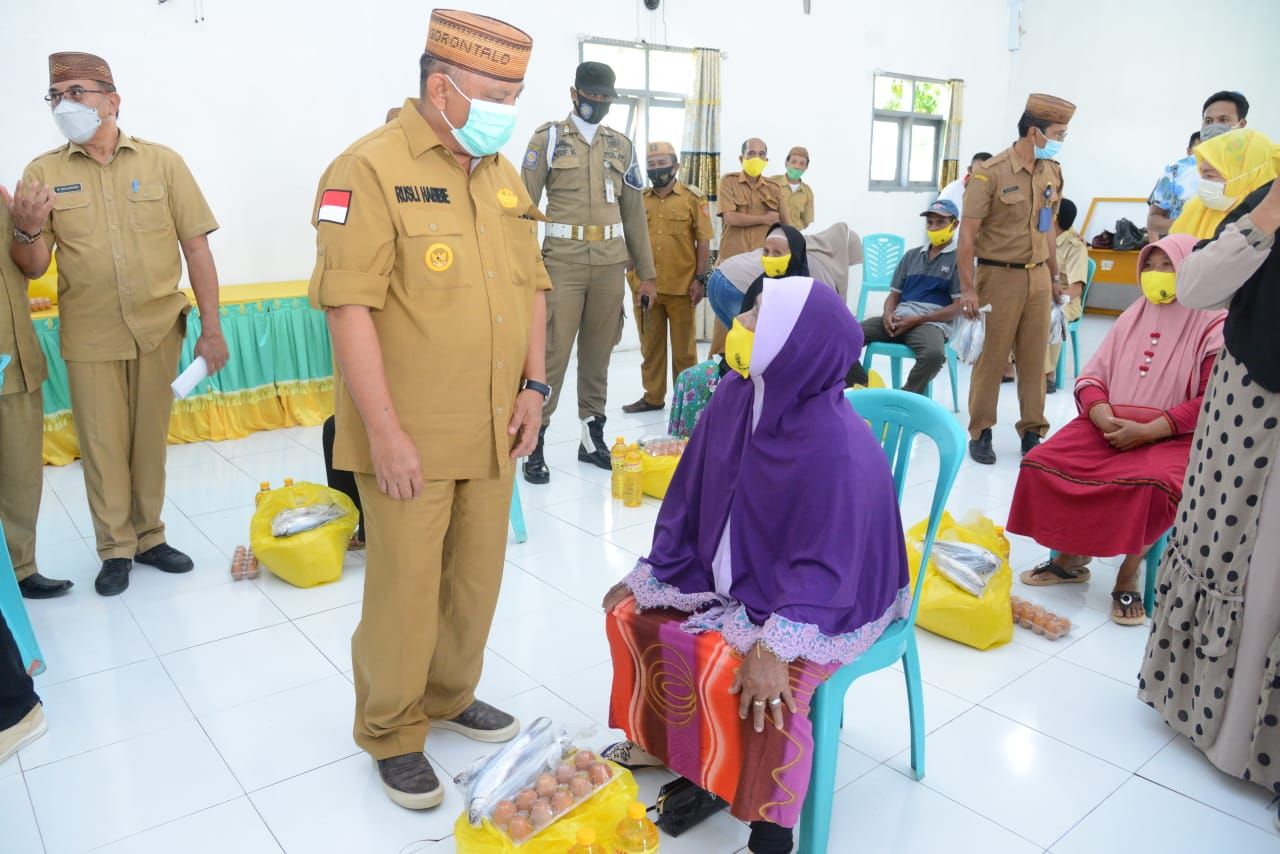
{"points": [[26, 371], [1007, 195], [799, 201], [117, 229], [1073, 257], [741, 193], [448, 265], [676, 224], [596, 183]]}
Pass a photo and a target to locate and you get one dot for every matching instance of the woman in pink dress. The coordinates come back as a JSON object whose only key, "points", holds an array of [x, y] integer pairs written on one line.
{"points": [[1109, 482]]}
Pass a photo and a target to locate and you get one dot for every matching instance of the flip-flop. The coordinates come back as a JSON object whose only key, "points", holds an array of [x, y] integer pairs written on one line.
{"points": [[1127, 599], [630, 755], [1059, 575]]}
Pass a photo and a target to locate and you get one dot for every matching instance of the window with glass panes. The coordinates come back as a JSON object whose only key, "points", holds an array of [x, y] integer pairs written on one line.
{"points": [[653, 84], [908, 128]]}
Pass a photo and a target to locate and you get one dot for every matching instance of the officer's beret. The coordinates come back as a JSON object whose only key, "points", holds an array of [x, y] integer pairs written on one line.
{"points": [[478, 43], [72, 65]]}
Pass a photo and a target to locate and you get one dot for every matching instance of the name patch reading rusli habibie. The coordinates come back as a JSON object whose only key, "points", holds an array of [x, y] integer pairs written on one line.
{"points": [[406, 193]]}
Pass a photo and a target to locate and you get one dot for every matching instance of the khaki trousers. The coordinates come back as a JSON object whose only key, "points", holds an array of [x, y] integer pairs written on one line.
{"points": [[585, 304], [673, 311], [121, 411], [1020, 303], [21, 479], [433, 568], [1072, 311]]}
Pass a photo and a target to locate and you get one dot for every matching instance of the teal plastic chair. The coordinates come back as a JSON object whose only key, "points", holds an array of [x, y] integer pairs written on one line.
{"points": [[1073, 330], [11, 604], [897, 417], [880, 256], [1151, 568], [898, 352], [517, 513]]}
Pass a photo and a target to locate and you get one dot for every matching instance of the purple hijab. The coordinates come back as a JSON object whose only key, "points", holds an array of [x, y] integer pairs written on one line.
{"points": [[815, 537]]}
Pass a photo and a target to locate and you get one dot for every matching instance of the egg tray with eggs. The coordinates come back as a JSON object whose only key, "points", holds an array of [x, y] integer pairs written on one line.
{"points": [[576, 779], [1037, 619], [663, 446]]}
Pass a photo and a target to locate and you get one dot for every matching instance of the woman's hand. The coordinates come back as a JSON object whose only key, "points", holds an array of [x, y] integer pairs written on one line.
{"points": [[1103, 418], [764, 686], [617, 594], [1131, 434]]}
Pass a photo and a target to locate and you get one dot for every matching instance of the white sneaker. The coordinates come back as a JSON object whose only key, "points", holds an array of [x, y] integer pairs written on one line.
{"points": [[23, 733]]}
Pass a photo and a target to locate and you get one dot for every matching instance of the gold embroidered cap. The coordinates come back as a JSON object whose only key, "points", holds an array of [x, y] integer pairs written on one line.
{"points": [[73, 65], [479, 43], [1049, 107]]}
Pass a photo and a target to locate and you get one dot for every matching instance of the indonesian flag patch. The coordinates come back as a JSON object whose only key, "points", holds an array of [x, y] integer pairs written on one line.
{"points": [[334, 205]]}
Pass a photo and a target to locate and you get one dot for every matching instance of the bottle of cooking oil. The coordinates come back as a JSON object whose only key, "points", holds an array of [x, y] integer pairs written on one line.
{"points": [[263, 488], [288, 481], [587, 843], [618, 461], [632, 478], [636, 834]]}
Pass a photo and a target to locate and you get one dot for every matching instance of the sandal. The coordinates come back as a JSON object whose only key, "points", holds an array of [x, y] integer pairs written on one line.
{"points": [[1059, 573], [1127, 599], [630, 755]]}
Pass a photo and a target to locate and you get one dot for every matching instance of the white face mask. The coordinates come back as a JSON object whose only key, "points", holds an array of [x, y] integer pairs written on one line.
{"points": [[1213, 194], [77, 122]]}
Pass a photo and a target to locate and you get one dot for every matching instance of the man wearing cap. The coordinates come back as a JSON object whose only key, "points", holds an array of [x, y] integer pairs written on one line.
{"points": [[923, 301], [1007, 227], [118, 209], [596, 220], [429, 272], [680, 235], [798, 194]]}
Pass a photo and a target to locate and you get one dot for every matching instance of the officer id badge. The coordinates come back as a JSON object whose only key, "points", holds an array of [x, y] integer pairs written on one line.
{"points": [[609, 195], [1046, 212]]}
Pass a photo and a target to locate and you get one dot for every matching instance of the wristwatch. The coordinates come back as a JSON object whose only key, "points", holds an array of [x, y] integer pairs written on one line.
{"points": [[22, 237], [701, 277], [541, 388]]}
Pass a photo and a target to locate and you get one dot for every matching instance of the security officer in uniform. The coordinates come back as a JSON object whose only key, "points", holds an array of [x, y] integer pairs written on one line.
{"points": [[595, 219], [680, 235], [1009, 208], [21, 425], [428, 269], [118, 208]]}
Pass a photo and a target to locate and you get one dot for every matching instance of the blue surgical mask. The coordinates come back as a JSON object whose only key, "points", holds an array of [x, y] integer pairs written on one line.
{"points": [[1049, 151], [487, 128]]}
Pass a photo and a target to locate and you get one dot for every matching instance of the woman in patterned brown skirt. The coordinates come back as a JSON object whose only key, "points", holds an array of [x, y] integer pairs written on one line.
{"points": [[1212, 664]]}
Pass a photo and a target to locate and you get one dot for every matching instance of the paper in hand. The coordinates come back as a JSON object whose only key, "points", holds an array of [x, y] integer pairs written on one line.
{"points": [[195, 374]]}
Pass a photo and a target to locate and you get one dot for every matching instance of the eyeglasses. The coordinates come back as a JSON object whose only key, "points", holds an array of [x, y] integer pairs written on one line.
{"points": [[75, 93]]}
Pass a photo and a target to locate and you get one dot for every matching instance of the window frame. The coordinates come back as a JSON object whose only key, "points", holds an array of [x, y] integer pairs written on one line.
{"points": [[906, 120], [646, 97]]}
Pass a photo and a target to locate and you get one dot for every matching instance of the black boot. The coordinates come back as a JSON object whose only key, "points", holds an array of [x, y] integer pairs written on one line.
{"points": [[535, 467], [980, 449], [593, 448]]}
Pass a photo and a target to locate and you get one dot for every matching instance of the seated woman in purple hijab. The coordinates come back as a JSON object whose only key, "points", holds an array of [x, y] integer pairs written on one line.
{"points": [[778, 557]]}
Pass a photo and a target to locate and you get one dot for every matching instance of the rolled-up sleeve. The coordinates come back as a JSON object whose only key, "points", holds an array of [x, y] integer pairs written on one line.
{"points": [[355, 244], [1210, 277]]}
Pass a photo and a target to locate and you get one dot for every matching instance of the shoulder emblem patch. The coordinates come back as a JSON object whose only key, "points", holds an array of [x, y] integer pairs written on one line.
{"points": [[334, 206], [531, 158]]}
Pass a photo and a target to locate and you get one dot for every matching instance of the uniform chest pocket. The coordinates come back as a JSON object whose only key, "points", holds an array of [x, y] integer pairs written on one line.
{"points": [[148, 207], [565, 173], [73, 215], [521, 238], [676, 220], [1013, 197], [431, 253]]}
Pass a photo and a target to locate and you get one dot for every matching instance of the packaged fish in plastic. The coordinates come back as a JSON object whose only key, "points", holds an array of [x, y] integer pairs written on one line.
{"points": [[295, 520], [498, 777], [967, 566]]}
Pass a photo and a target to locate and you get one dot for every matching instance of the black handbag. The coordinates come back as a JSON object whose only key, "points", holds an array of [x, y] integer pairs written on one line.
{"points": [[682, 805], [1129, 238]]}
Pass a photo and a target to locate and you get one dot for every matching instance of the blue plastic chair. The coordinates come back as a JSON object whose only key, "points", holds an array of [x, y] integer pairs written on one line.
{"points": [[1073, 329], [1152, 567], [898, 352], [11, 604], [517, 513], [897, 417], [880, 256]]}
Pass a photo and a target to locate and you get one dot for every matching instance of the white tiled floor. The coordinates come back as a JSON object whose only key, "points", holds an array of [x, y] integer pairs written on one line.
{"points": [[197, 714]]}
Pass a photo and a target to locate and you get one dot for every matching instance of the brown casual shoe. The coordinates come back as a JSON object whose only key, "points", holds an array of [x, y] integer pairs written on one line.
{"points": [[482, 722], [643, 405], [410, 781], [23, 732]]}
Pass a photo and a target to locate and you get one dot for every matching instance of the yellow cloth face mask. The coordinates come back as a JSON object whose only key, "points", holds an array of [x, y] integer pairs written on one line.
{"points": [[1159, 286], [775, 265], [754, 166], [737, 348], [942, 236]]}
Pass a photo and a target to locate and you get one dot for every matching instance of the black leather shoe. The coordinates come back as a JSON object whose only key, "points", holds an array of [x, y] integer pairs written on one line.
{"points": [[980, 449], [593, 448], [535, 466], [1050, 385], [165, 558], [113, 578], [643, 405], [410, 781], [1029, 441], [36, 586]]}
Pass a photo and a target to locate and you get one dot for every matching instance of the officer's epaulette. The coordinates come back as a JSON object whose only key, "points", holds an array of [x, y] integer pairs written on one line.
{"points": [[545, 126], [697, 191], [58, 150], [150, 143]]}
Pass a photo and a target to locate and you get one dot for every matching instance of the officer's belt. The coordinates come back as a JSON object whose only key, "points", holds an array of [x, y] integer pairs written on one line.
{"points": [[584, 232], [987, 262]]}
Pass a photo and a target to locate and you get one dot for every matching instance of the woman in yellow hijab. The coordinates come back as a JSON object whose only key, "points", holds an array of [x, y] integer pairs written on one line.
{"points": [[1231, 166]]}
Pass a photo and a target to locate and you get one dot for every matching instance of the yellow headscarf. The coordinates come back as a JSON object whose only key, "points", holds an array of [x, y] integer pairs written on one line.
{"points": [[1246, 158]]}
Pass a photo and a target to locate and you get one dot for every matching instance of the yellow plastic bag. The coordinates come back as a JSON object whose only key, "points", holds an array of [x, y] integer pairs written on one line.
{"points": [[951, 612], [656, 474], [46, 287], [311, 557], [601, 812]]}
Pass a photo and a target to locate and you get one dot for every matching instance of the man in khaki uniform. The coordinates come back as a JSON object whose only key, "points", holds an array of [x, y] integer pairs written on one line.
{"points": [[1006, 227], [21, 425], [429, 272], [680, 235], [1073, 267], [118, 208], [596, 220], [749, 205], [799, 195]]}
